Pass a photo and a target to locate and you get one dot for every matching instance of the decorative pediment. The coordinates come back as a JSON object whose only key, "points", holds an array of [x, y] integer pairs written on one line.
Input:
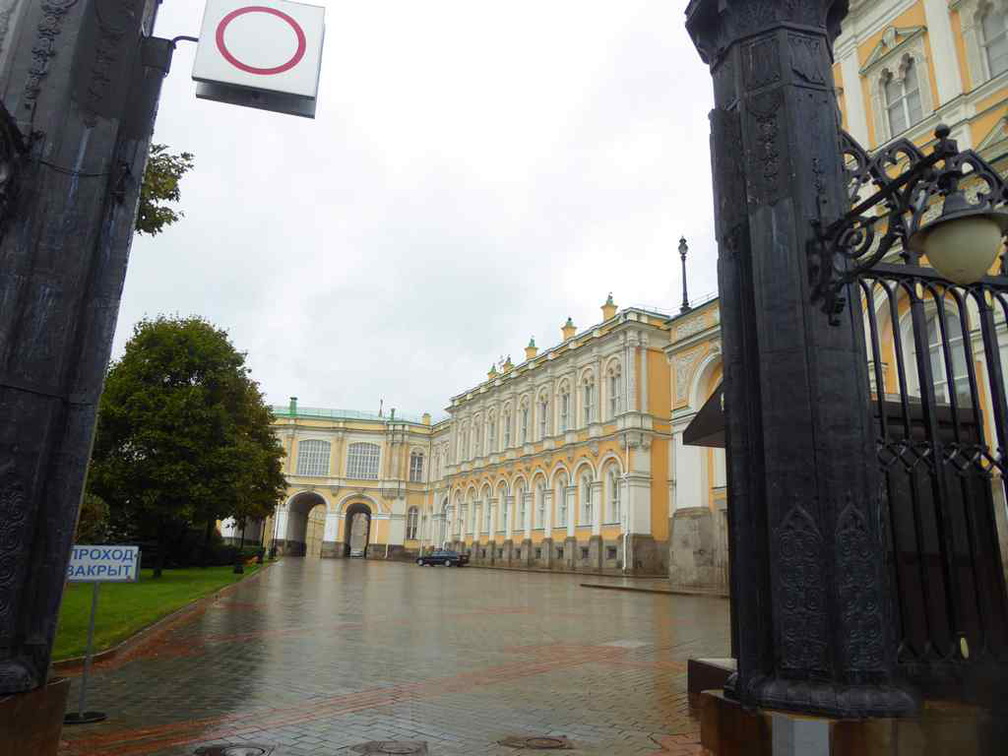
{"points": [[893, 39], [996, 136]]}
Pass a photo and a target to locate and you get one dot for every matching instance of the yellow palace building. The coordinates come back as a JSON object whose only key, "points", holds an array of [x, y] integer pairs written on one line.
{"points": [[581, 457]]}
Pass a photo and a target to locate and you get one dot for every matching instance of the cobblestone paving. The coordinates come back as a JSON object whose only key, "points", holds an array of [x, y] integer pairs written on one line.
{"points": [[315, 656]]}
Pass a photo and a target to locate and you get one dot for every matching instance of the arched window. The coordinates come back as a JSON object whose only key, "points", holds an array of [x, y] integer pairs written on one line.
{"points": [[313, 458], [903, 98], [462, 443], [492, 444], [995, 41], [412, 521], [936, 356], [543, 416], [521, 508], [507, 430], [487, 514], [524, 423], [463, 518], [589, 399], [587, 505], [614, 391], [564, 409], [505, 514], [615, 509], [362, 461], [561, 497], [540, 506], [477, 439], [416, 467]]}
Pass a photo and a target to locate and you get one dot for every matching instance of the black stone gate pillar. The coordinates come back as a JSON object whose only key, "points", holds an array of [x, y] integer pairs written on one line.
{"points": [[80, 84], [810, 599]]}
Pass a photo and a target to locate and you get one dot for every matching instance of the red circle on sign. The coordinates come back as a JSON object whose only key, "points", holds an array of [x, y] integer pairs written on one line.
{"points": [[294, 59]]}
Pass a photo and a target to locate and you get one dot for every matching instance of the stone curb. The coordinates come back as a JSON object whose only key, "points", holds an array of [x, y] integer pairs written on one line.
{"points": [[666, 591], [76, 663]]}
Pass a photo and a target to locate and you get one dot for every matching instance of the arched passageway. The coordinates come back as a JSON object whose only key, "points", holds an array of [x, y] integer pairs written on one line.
{"points": [[356, 529], [306, 514]]}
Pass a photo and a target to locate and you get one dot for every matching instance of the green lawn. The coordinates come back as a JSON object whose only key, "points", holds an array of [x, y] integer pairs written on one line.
{"points": [[125, 608]]}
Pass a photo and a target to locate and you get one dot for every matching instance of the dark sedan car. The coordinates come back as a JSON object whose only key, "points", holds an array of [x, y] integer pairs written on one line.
{"points": [[445, 557]]}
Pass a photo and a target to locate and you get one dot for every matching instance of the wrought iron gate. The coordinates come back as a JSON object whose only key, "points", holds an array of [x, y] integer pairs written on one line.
{"points": [[937, 356]]}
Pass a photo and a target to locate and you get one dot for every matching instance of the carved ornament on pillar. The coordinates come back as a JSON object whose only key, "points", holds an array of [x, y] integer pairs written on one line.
{"points": [[809, 594]]}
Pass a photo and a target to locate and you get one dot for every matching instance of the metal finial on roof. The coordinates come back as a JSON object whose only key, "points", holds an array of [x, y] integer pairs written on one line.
{"points": [[532, 343]]}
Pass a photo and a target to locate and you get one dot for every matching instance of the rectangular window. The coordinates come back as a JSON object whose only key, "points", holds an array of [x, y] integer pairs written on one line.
{"points": [[613, 396], [903, 100], [507, 431], [543, 424], [564, 412], [584, 552], [562, 507], [610, 553], [559, 552], [313, 458], [416, 467], [995, 34], [493, 437], [588, 391], [538, 553], [524, 425], [362, 461]]}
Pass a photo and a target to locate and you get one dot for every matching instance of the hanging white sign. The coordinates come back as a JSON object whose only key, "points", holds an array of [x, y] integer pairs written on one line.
{"points": [[264, 54]]}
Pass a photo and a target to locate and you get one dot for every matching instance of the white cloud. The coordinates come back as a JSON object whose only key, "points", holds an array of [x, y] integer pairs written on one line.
{"points": [[476, 173]]}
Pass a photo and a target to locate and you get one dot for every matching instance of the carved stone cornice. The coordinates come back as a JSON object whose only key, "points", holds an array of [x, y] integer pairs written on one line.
{"points": [[715, 25]]}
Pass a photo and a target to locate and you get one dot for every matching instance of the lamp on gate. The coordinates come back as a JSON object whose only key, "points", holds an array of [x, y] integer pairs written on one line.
{"points": [[964, 241]]}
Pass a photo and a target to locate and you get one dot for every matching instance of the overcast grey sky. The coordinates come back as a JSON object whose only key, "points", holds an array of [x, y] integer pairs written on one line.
{"points": [[477, 171]]}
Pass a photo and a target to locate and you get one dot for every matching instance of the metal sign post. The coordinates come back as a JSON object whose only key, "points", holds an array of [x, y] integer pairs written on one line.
{"points": [[97, 565]]}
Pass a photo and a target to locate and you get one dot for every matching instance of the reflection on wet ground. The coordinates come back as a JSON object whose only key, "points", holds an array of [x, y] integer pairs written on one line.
{"points": [[316, 656]]}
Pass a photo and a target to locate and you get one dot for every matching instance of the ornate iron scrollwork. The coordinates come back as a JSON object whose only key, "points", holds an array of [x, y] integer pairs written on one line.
{"points": [[906, 183]]}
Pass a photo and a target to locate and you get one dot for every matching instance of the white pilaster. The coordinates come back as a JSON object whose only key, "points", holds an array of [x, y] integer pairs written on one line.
{"points": [[596, 494], [943, 50], [857, 119]]}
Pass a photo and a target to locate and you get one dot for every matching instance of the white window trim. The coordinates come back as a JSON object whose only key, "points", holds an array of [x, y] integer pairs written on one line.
{"points": [[971, 13], [893, 63], [376, 458], [319, 463]]}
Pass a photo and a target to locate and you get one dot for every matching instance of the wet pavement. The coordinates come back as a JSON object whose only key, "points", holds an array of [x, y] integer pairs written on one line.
{"points": [[314, 657]]}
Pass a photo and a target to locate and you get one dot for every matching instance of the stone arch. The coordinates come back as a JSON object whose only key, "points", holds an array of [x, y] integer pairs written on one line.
{"points": [[579, 468], [699, 390], [301, 526], [357, 528], [558, 468]]}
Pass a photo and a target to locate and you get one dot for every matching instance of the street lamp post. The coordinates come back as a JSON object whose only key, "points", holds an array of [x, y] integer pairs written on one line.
{"points": [[810, 599]]}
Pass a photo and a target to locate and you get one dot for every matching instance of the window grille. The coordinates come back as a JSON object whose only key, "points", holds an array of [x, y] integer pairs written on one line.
{"points": [[416, 467], [614, 395], [412, 520], [586, 501], [362, 461], [614, 496], [995, 41], [903, 100], [589, 390], [313, 458]]}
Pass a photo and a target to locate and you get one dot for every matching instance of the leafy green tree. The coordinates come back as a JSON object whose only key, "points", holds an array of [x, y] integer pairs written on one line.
{"points": [[161, 186], [93, 520], [184, 435]]}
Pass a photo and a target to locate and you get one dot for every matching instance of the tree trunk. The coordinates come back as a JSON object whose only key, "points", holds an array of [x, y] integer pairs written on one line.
{"points": [[159, 564], [207, 535]]}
